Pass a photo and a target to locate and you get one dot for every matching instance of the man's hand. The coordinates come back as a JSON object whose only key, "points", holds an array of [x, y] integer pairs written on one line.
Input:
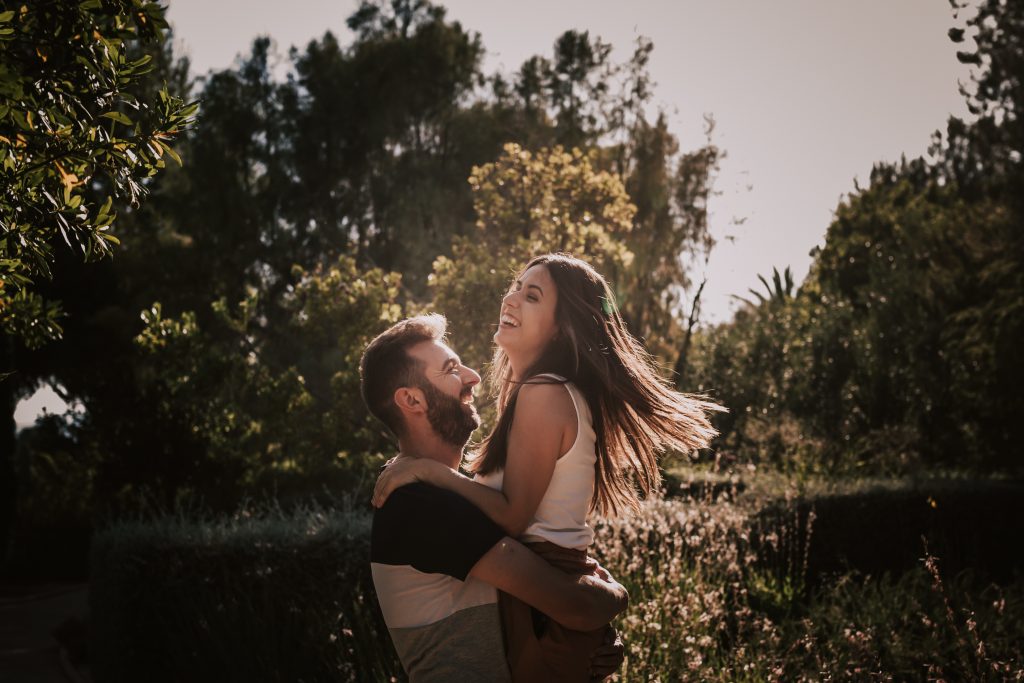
{"points": [[607, 658]]}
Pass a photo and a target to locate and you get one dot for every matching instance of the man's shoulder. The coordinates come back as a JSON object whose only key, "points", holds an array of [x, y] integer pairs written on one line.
{"points": [[415, 512], [415, 497], [432, 530]]}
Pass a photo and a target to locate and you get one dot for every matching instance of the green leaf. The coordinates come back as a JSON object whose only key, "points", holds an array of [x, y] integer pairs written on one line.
{"points": [[171, 152], [6, 16], [105, 209], [189, 110], [19, 118], [117, 116]]}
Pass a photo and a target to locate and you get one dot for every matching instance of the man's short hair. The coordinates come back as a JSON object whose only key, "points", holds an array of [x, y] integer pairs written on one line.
{"points": [[386, 365]]}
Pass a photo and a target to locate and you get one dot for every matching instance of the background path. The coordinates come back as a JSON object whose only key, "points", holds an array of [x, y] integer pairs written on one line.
{"points": [[29, 652]]}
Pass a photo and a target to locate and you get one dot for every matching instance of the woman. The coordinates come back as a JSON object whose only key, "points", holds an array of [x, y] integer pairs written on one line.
{"points": [[583, 414]]}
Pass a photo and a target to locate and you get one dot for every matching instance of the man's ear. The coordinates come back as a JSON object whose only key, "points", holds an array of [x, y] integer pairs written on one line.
{"points": [[410, 400]]}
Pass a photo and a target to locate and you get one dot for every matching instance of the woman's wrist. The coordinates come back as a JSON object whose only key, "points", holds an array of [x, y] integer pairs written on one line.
{"points": [[446, 478], [434, 473]]}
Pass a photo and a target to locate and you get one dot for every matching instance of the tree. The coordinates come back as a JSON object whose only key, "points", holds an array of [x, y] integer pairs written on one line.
{"points": [[779, 289], [670, 231], [71, 121], [901, 346], [527, 204], [76, 130], [297, 193], [243, 409], [996, 91], [577, 82]]}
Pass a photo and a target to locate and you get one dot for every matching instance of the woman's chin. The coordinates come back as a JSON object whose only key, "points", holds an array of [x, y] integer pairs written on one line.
{"points": [[507, 343]]}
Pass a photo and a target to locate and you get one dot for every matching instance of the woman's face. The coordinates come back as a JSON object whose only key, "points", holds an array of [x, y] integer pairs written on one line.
{"points": [[527, 322]]}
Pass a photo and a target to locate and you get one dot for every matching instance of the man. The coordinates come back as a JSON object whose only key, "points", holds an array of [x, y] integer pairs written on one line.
{"points": [[436, 559]]}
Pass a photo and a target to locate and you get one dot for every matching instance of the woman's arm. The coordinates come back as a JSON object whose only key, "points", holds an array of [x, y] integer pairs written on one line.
{"points": [[543, 428], [544, 420], [580, 602]]}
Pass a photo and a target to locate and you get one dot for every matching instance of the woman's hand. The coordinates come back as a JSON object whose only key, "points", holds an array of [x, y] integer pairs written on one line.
{"points": [[405, 470]]}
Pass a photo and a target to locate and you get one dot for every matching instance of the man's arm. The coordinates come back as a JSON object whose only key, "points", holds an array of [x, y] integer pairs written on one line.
{"points": [[581, 603]]}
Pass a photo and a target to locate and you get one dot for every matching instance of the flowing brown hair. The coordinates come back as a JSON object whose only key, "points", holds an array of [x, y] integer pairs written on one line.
{"points": [[636, 413]]}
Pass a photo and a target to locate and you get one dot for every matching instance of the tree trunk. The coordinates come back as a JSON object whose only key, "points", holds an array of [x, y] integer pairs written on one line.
{"points": [[682, 367]]}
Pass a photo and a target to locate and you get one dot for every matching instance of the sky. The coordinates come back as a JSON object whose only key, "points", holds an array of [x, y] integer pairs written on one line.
{"points": [[806, 95]]}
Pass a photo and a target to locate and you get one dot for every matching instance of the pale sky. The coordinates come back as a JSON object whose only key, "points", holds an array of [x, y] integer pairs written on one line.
{"points": [[807, 94]]}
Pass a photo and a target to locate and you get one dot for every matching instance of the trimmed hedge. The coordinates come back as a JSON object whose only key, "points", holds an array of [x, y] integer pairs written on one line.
{"points": [[264, 596], [716, 588], [970, 524]]}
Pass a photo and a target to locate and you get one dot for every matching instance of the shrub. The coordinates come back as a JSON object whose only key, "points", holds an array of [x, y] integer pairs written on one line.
{"points": [[719, 591], [259, 596]]}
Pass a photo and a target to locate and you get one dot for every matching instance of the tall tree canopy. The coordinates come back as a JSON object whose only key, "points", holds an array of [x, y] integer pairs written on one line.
{"points": [[382, 176]]}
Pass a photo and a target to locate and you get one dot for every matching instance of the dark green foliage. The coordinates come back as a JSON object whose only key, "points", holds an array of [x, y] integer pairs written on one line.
{"points": [[222, 359], [670, 233], [74, 114], [82, 122], [264, 409], [900, 349], [896, 349], [879, 530], [275, 253], [262, 596], [720, 591]]}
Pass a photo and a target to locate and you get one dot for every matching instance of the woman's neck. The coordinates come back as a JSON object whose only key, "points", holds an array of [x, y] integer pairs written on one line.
{"points": [[521, 365]]}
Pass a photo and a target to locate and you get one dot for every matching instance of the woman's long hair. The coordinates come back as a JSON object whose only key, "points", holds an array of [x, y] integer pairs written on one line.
{"points": [[636, 413]]}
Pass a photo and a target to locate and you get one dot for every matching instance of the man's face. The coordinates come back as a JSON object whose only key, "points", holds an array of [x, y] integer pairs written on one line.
{"points": [[448, 388]]}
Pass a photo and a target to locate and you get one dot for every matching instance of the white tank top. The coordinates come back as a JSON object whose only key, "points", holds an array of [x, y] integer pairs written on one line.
{"points": [[561, 517]]}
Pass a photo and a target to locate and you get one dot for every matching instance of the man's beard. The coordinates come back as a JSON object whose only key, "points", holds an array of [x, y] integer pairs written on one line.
{"points": [[450, 418]]}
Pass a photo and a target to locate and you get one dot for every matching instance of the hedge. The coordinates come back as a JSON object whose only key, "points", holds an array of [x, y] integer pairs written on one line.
{"points": [[260, 596]]}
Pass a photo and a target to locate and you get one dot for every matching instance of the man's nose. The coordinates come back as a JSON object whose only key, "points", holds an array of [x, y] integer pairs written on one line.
{"points": [[472, 378]]}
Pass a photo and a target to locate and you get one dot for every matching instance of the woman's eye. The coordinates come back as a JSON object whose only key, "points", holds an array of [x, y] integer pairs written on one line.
{"points": [[531, 298]]}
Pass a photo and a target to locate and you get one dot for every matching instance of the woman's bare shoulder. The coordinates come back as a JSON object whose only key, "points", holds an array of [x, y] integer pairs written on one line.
{"points": [[545, 401]]}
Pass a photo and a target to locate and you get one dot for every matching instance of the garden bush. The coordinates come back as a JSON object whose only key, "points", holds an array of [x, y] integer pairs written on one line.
{"points": [[260, 596], [968, 523], [720, 590], [723, 592]]}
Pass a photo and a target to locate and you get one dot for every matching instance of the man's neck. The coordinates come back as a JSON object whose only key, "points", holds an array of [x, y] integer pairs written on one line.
{"points": [[433, 448]]}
